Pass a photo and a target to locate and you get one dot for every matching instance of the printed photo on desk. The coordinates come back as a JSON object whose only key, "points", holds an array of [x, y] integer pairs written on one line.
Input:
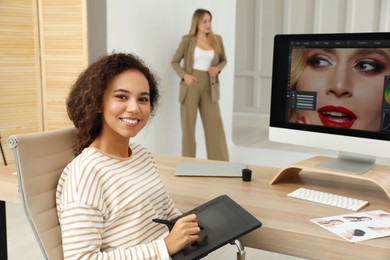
{"points": [[355, 227]]}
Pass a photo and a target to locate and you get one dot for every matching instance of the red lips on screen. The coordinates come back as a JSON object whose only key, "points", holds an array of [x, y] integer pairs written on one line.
{"points": [[336, 116]]}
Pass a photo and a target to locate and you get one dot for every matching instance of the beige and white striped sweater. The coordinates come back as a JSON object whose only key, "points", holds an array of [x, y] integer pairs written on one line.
{"points": [[106, 205]]}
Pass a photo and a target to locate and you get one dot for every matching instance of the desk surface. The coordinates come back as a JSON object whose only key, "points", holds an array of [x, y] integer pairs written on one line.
{"points": [[286, 227], [286, 221], [8, 184]]}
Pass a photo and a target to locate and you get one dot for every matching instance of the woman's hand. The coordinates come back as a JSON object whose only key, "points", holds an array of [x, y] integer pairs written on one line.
{"points": [[189, 79], [185, 231], [213, 71]]}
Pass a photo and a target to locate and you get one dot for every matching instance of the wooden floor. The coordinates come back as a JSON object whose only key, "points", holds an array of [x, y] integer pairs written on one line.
{"points": [[23, 246]]}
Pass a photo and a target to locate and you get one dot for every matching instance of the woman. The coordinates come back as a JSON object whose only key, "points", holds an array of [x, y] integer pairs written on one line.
{"points": [[348, 84], [204, 58], [109, 194]]}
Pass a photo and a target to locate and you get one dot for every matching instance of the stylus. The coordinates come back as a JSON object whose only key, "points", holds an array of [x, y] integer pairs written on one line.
{"points": [[169, 223]]}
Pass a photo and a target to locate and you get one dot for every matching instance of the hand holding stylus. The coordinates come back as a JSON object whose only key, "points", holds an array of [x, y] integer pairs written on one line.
{"points": [[169, 223], [184, 231]]}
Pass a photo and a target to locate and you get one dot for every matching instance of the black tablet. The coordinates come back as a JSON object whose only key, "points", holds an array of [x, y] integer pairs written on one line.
{"points": [[223, 221]]}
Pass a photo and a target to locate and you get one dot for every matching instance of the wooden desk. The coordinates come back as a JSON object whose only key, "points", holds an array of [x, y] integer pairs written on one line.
{"points": [[286, 227]]}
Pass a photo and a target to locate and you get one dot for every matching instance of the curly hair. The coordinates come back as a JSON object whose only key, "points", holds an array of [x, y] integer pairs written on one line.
{"points": [[86, 96]]}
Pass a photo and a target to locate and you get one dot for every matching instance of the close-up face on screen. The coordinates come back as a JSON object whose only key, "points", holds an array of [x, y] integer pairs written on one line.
{"points": [[339, 87]]}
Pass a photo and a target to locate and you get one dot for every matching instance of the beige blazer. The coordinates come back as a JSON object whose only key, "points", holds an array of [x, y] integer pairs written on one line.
{"points": [[186, 51]]}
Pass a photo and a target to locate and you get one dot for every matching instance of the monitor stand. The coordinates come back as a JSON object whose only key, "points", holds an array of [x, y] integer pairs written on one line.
{"points": [[378, 174], [349, 163]]}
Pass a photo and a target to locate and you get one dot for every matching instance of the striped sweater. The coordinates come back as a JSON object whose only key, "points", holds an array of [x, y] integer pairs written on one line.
{"points": [[106, 204]]}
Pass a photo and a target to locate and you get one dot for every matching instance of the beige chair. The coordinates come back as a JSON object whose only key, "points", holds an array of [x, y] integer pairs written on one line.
{"points": [[2, 152], [40, 159]]}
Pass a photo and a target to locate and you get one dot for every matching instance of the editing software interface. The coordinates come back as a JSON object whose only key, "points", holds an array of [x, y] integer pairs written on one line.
{"points": [[340, 84]]}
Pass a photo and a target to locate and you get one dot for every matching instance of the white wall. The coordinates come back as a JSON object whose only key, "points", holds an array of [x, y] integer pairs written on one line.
{"points": [[152, 29]]}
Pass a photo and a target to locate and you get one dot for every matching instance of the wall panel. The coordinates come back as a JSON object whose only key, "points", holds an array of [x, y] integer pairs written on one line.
{"points": [[245, 36], [64, 55], [299, 15], [43, 47], [20, 92], [329, 16], [270, 23], [384, 20], [259, 20], [363, 17], [243, 92]]}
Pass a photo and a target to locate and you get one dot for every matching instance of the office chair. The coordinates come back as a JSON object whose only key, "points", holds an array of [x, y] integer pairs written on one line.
{"points": [[2, 152], [40, 159]]}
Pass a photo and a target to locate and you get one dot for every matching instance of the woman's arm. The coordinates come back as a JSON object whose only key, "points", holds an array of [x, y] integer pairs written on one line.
{"points": [[221, 63], [179, 55], [222, 60], [81, 228]]}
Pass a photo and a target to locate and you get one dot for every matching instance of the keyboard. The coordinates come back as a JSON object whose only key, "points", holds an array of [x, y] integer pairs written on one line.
{"points": [[328, 199]]}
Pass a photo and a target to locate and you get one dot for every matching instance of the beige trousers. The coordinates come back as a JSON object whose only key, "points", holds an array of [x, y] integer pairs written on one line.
{"points": [[199, 96]]}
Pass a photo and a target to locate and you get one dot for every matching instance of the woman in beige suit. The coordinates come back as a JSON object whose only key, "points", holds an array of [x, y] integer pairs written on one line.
{"points": [[203, 58]]}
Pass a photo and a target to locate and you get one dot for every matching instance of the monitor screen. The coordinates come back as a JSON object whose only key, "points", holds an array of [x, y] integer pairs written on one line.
{"points": [[332, 91]]}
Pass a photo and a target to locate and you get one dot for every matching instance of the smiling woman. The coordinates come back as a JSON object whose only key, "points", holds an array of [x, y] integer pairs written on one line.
{"points": [[125, 111], [108, 195], [203, 57], [348, 84]]}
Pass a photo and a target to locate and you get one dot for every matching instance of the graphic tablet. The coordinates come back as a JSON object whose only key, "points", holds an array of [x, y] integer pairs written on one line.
{"points": [[223, 221]]}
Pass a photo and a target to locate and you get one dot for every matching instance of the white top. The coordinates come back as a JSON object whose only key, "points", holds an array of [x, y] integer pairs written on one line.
{"points": [[106, 204], [202, 59]]}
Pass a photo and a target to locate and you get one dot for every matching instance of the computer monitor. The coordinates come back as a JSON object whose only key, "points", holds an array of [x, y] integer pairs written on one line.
{"points": [[332, 91]]}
